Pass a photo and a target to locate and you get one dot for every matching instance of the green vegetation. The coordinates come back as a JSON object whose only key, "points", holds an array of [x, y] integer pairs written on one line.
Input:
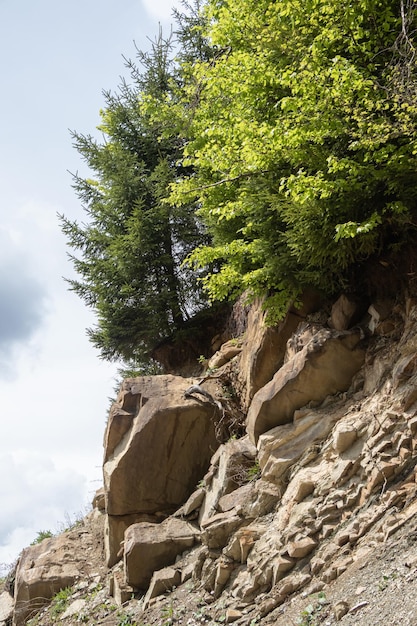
{"points": [[254, 472], [124, 619], [60, 602], [42, 534], [276, 151], [134, 244], [310, 616], [303, 145]]}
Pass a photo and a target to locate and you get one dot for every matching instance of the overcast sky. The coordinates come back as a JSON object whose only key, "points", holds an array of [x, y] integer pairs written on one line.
{"points": [[56, 57]]}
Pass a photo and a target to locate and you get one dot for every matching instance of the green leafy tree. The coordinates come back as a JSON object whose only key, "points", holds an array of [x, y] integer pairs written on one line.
{"points": [[129, 253], [302, 136]]}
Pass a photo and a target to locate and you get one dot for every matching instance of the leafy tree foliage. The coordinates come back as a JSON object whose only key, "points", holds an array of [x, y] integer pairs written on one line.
{"points": [[129, 254], [304, 147], [284, 135]]}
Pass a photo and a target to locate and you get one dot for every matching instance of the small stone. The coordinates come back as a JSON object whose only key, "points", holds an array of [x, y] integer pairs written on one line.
{"points": [[299, 549], [74, 608], [340, 609], [232, 615]]}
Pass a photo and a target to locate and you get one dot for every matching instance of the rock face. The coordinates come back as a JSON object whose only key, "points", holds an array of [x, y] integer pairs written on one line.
{"points": [[150, 462], [323, 367], [228, 470], [320, 479], [152, 435], [263, 350]]}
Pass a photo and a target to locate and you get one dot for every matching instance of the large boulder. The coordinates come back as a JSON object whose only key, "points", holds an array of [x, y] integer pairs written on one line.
{"points": [[158, 445], [325, 366], [152, 436], [151, 547]]}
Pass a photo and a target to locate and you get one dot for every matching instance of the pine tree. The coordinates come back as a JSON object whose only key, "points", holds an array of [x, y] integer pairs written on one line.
{"points": [[129, 253]]}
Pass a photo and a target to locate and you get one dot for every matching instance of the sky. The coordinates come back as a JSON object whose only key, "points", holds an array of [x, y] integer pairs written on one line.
{"points": [[56, 58]]}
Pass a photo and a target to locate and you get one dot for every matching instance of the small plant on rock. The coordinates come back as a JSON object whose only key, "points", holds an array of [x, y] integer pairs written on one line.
{"points": [[254, 472], [310, 615], [42, 534], [126, 620], [60, 602]]}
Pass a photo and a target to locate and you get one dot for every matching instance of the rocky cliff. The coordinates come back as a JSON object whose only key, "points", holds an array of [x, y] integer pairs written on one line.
{"points": [[255, 493]]}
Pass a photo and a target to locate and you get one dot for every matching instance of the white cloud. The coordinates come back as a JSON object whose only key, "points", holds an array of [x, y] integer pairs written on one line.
{"points": [[54, 408], [22, 297], [37, 495], [161, 9]]}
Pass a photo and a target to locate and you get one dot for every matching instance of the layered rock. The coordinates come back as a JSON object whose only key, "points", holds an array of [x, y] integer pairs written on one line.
{"points": [[325, 366], [331, 473], [6, 608], [264, 346]]}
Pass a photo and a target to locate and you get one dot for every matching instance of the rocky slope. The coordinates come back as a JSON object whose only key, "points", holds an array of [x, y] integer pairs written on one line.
{"points": [[279, 487]]}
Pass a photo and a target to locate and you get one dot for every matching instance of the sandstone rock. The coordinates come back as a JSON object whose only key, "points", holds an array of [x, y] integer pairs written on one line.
{"points": [[242, 542], [282, 590], [326, 553], [264, 347], [193, 503], [224, 570], [343, 438], [186, 572], [241, 498], [250, 583], [281, 447], [345, 312], [217, 529], [114, 533], [6, 607], [163, 580], [228, 469], [121, 591], [282, 566], [74, 608], [150, 547], [152, 425], [228, 351], [404, 369], [163, 431], [301, 338], [324, 367], [265, 499], [46, 568], [304, 488], [301, 547], [232, 615], [99, 500]]}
